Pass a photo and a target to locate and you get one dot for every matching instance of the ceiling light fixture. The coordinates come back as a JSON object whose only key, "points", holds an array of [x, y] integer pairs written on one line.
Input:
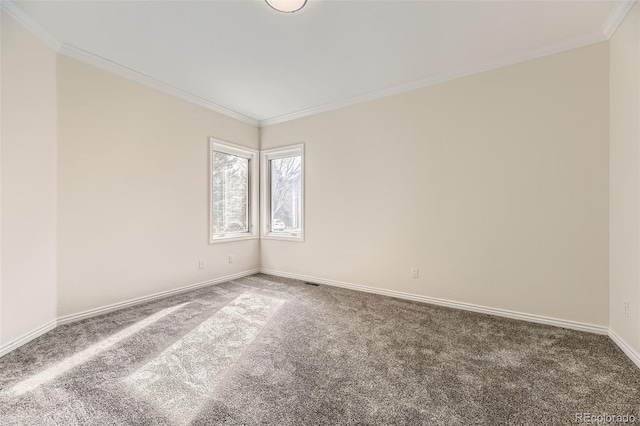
{"points": [[286, 6]]}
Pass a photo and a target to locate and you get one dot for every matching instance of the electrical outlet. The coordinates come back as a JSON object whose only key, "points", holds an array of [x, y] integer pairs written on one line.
{"points": [[414, 272], [201, 264], [230, 258], [626, 309]]}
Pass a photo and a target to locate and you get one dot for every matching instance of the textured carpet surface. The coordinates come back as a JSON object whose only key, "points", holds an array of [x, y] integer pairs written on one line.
{"points": [[267, 350]]}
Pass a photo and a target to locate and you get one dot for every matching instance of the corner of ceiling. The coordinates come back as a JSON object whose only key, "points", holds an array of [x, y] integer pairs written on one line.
{"points": [[17, 14], [619, 11]]}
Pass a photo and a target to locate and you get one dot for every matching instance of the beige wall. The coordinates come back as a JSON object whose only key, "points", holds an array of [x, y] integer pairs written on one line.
{"points": [[494, 185], [133, 196], [625, 179], [28, 183]]}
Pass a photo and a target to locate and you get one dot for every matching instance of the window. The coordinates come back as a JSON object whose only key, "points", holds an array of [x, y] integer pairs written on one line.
{"points": [[234, 192], [282, 173]]}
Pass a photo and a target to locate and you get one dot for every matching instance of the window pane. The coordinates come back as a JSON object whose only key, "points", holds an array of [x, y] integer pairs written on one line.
{"points": [[286, 190], [230, 188]]}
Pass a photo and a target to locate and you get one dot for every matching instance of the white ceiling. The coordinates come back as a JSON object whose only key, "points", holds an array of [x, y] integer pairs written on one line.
{"points": [[270, 66]]}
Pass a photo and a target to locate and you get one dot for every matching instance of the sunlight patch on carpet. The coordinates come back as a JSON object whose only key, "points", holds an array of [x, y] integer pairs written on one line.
{"points": [[83, 356], [180, 380]]}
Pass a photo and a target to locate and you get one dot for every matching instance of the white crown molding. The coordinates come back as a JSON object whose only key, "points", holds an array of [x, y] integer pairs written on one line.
{"points": [[441, 78], [138, 300], [619, 11], [27, 337], [16, 13], [633, 355], [616, 16], [92, 59], [539, 319], [123, 71]]}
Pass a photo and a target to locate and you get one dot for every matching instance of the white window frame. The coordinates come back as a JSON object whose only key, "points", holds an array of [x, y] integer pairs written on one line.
{"points": [[254, 176], [265, 191]]}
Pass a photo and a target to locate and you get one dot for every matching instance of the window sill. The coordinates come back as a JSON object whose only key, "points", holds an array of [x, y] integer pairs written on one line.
{"points": [[283, 237], [232, 238]]}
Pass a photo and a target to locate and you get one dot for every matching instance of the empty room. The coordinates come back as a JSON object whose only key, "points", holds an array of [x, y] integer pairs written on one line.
{"points": [[319, 212]]}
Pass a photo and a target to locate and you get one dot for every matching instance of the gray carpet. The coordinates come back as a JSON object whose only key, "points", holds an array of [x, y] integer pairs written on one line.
{"points": [[267, 350]]}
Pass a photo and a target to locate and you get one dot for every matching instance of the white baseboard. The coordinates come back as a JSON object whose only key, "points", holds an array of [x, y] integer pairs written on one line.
{"points": [[573, 325], [27, 337], [131, 302], [632, 354]]}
